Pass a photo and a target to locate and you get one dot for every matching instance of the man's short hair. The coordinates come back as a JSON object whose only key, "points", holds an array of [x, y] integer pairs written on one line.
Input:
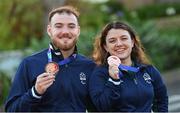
{"points": [[64, 9]]}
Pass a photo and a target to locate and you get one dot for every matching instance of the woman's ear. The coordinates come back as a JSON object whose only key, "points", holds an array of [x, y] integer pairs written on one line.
{"points": [[133, 43], [105, 47]]}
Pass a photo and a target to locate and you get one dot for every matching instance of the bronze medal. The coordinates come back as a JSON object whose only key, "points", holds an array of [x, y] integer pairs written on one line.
{"points": [[52, 68]]}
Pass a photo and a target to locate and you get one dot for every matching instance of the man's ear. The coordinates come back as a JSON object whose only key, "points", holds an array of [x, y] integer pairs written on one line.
{"points": [[49, 30], [79, 31]]}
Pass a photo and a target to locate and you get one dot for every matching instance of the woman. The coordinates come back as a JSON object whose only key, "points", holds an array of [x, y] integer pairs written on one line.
{"points": [[124, 80]]}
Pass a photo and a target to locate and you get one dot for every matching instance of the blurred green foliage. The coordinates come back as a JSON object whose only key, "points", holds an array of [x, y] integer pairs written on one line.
{"points": [[20, 21], [5, 82], [158, 10]]}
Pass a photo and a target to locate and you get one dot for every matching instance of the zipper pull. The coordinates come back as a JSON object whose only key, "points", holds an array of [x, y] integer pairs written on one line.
{"points": [[135, 81]]}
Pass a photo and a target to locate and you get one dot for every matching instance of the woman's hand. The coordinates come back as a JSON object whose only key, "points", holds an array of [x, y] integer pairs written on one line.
{"points": [[114, 63]]}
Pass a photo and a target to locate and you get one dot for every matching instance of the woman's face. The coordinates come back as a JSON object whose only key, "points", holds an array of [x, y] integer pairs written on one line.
{"points": [[119, 43]]}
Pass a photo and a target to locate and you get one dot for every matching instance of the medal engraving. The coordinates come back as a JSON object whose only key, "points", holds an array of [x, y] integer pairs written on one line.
{"points": [[52, 68]]}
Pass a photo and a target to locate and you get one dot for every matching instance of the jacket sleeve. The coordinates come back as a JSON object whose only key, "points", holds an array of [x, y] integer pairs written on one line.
{"points": [[104, 93], [160, 103], [20, 97]]}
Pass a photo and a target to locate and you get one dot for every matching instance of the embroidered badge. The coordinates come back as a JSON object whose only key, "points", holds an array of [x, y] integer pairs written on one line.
{"points": [[82, 77], [147, 78]]}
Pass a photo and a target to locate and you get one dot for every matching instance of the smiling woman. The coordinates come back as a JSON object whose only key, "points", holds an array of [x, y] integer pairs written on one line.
{"points": [[124, 80]]}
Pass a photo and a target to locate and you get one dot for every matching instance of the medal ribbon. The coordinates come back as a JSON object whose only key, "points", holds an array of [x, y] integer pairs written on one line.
{"points": [[127, 68], [62, 62], [67, 60], [49, 55]]}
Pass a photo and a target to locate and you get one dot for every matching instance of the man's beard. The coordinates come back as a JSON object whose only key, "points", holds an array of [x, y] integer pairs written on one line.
{"points": [[66, 47]]}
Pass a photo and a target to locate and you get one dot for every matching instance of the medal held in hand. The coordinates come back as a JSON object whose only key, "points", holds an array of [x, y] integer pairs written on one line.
{"points": [[114, 60], [114, 63], [52, 68]]}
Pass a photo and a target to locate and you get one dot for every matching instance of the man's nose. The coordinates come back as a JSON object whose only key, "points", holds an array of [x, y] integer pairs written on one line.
{"points": [[64, 30]]}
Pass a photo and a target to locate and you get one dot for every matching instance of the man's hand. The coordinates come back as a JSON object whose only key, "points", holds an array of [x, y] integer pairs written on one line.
{"points": [[44, 81]]}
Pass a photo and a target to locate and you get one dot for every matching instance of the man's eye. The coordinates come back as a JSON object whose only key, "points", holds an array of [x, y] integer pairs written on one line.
{"points": [[58, 26], [72, 26]]}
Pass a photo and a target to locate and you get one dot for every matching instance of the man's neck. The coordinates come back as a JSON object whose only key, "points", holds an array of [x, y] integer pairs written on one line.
{"points": [[67, 53]]}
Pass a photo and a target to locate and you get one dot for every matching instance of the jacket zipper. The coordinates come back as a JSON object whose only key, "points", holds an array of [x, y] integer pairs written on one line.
{"points": [[138, 92]]}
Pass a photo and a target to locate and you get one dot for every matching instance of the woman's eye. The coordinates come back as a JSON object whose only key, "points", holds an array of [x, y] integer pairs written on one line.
{"points": [[124, 38], [112, 41]]}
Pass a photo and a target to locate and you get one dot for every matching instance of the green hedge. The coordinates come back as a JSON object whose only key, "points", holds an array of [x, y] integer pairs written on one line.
{"points": [[5, 82], [157, 10], [20, 21]]}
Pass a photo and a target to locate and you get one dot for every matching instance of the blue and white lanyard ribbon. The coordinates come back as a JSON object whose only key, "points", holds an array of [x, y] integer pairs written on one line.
{"points": [[49, 55], [67, 60], [62, 62], [127, 68]]}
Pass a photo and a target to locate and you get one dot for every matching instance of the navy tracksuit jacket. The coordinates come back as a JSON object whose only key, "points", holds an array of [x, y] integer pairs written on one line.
{"points": [[140, 92], [69, 92]]}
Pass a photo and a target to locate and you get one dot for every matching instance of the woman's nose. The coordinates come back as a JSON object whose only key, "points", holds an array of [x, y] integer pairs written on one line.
{"points": [[119, 42]]}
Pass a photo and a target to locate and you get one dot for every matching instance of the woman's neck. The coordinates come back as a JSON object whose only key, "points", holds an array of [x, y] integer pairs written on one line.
{"points": [[127, 62]]}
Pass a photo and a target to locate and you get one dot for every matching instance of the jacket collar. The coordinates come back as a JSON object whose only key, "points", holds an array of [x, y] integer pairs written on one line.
{"points": [[57, 51]]}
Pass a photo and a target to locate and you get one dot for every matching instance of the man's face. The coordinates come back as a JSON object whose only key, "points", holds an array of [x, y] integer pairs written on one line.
{"points": [[64, 31]]}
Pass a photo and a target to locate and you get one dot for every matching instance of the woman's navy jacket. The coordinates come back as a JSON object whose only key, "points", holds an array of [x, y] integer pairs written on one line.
{"points": [[143, 91]]}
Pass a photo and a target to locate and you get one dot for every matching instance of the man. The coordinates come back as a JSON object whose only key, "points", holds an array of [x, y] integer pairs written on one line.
{"points": [[54, 79]]}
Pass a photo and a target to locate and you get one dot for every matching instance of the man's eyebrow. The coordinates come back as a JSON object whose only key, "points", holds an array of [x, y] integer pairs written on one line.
{"points": [[58, 24], [72, 24]]}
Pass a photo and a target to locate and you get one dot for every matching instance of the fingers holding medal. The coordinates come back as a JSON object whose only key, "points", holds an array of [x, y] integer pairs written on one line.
{"points": [[52, 68], [114, 62]]}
